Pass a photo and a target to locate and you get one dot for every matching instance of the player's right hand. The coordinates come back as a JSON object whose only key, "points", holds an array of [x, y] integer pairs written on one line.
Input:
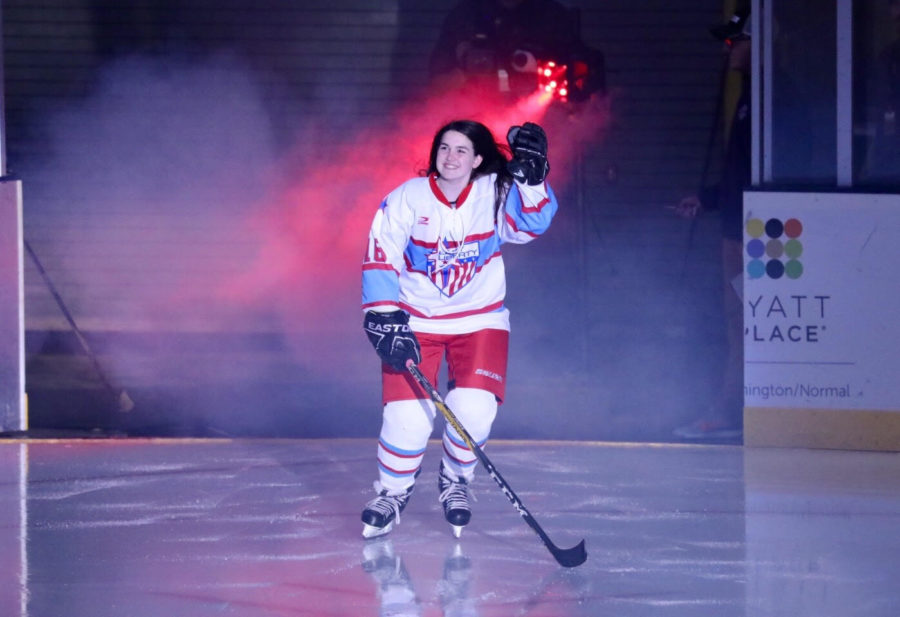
{"points": [[393, 339]]}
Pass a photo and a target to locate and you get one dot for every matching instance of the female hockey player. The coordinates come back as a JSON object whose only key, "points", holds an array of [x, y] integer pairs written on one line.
{"points": [[433, 286]]}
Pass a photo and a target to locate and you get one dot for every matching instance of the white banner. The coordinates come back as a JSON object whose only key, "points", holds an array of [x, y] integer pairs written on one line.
{"points": [[821, 292]]}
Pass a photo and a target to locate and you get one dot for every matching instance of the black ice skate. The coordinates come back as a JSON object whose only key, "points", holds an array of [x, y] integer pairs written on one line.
{"points": [[455, 499], [382, 512]]}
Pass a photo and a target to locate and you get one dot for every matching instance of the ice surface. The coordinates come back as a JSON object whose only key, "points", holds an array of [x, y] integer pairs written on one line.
{"points": [[136, 528]]}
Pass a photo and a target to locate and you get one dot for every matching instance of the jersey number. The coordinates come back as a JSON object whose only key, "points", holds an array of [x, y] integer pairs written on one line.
{"points": [[375, 252]]}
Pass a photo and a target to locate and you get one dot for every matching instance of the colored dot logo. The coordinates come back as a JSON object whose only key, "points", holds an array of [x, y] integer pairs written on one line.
{"points": [[774, 248]]}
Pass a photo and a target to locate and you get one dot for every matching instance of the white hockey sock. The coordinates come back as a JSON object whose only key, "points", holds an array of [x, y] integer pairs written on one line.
{"points": [[405, 429], [476, 410]]}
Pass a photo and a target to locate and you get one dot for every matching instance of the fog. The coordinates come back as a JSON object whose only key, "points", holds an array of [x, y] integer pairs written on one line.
{"points": [[216, 261]]}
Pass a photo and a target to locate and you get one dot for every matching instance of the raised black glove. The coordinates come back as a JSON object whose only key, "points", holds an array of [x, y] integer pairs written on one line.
{"points": [[392, 338], [529, 149]]}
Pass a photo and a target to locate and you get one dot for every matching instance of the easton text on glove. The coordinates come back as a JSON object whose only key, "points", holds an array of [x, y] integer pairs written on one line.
{"points": [[392, 338]]}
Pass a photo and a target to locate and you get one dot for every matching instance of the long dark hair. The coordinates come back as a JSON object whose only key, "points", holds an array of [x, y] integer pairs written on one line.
{"points": [[494, 156]]}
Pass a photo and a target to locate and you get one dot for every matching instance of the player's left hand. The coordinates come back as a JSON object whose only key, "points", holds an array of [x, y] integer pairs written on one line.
{"points": [[529, 149]]}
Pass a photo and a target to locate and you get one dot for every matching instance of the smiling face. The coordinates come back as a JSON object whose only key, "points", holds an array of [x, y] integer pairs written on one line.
{"points": [[456, 158]]}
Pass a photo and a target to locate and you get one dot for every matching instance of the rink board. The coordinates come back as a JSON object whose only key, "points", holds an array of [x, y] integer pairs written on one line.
{"points": [[821, 337]]}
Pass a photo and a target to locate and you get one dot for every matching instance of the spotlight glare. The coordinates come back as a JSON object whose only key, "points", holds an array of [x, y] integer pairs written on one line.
{"points": [[552, 79]]}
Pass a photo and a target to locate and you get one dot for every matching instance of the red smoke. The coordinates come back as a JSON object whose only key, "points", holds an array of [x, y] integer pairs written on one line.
{"points": [[312, 231]]}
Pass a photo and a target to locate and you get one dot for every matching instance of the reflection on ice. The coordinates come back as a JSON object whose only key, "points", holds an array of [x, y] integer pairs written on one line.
{"points": [[392, 583], [271, 528]]}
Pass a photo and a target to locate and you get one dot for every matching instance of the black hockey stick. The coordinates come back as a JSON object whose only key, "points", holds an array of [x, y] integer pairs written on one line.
{"points": [[567, 557]]}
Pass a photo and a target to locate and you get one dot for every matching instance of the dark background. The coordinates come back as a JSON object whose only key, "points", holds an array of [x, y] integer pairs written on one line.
{"points": [[199, 177]]}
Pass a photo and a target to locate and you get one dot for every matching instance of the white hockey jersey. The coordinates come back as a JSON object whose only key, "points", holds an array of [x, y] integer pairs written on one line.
{"points": [[440, 261]]}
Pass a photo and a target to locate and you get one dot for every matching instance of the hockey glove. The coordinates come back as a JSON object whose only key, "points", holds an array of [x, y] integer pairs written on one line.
{"points": [[529, 148], [392, 338]]}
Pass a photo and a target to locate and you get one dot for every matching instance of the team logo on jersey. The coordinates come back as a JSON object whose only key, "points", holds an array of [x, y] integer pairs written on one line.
{"points": [[451, 266]]}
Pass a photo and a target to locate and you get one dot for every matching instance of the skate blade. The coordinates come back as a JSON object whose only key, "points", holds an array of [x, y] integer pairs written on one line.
{"points": [[370, 531], [457, 530]]}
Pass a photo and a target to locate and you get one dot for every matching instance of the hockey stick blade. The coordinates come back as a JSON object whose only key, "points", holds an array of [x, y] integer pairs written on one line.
{"points": [[566, 557]]}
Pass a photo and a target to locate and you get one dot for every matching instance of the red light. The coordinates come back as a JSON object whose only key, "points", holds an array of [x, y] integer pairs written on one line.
{"points": [[552, 79]]}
